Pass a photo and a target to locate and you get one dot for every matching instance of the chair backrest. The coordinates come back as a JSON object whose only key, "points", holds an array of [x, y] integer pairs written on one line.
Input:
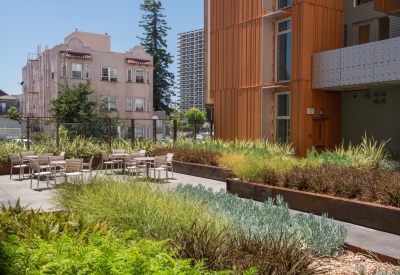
{"points": [[34, 165], [15, 158], [104, 156], [118, 151], [43, 158], [160, 160], [73, 165], [24, 154], [134, 155], [169, 157], [55, 158], [62, 154], [142, 153]]}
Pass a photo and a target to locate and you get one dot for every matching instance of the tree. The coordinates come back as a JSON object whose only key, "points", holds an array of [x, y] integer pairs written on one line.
{"points": [[73, 104], [178, 115], [155, 44], [195, 114], [13, 113]]}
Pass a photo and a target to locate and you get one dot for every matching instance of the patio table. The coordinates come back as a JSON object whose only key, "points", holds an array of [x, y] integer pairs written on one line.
{"points": [[147, 161]]}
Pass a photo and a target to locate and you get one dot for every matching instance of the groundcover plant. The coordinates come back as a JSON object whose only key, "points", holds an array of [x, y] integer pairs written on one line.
{"points": [[271, 217]]}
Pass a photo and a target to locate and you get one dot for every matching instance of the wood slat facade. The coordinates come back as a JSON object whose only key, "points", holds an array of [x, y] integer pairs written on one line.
{"points": [[233, 70]]}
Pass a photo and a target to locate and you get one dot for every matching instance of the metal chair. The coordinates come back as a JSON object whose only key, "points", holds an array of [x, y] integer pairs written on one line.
{"points": [[106, 160], [24, 156], [159, 164], [118, 157], [131, 165], [56, 162], [17, 163], [43, 159], [38, 171], [87, 167], [169, 163], [142, 153], [73, 168]]}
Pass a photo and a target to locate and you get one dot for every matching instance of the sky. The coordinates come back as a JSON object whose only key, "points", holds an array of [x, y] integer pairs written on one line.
{"points": [[25, 24]]}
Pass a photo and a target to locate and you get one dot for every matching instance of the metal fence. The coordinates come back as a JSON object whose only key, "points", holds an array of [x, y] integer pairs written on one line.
{"points": [[108, 129]]}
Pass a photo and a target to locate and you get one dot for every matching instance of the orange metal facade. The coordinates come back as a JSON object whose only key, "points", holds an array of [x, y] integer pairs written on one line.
{"points": [[233, 56]]}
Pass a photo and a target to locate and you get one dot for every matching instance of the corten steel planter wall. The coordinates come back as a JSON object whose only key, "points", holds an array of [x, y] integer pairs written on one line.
{"points": [[5, 168], [199, 170], [375, 216]]}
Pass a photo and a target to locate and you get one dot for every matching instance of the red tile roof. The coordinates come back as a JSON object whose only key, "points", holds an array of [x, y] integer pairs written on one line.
{"points": [[138, 61], [77, 55]]}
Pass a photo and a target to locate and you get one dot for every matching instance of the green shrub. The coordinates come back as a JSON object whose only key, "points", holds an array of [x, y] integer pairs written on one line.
{"points": [[197, 156]]}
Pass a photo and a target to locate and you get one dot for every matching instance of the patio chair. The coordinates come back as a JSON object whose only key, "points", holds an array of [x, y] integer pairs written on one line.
{"points": [[62, 154], [118, 156], [169, 163], [106, 160], [17, 163], [38, 171], [142, 153], [87, 167], [131, 165], [159, 164], [24, 156], [55, 162], [140, 164], [43, 159], [73, 168]]}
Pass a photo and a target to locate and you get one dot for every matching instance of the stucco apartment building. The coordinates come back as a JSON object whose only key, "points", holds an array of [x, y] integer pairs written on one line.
{"points": [[124, 79], [310, 72]]}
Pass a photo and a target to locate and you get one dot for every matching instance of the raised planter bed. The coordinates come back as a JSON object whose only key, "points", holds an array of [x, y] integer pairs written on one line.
{"points": [[199, 170], [371, 215]]}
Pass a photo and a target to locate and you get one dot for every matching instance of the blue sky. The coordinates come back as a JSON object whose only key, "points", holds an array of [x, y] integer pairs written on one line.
{"points": [[24, 24]]}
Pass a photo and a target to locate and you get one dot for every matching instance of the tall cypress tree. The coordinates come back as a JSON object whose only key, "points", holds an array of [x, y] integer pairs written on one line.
{"points": [[154, 43]]}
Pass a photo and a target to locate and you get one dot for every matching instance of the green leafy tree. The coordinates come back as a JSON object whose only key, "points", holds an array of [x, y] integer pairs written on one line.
{"points": [[155, 44], [13, 113], [195, 114], [178, 115], [73, 104]]}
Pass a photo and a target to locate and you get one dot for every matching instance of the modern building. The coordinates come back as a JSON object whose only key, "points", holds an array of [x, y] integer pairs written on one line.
{"points": [[6, 101], [308, 72], [124, 79], [191, 69]]}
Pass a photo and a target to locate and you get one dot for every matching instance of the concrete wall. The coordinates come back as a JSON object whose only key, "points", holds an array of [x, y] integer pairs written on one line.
{"points": [[366, 112]]}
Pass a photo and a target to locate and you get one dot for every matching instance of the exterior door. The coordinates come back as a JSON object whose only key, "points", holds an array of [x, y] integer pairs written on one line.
{"points": [[364, 32], [319, 134]]}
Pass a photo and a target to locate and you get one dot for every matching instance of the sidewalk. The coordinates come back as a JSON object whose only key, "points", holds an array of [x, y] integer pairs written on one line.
{"points": [[11, 190]]}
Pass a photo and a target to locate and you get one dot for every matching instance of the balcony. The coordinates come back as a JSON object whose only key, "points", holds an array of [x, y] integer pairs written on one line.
{"points": [[375, 64]]}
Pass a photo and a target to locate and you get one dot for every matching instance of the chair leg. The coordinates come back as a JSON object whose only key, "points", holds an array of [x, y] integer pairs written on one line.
{"points": [[11, 171], [31, 180]]}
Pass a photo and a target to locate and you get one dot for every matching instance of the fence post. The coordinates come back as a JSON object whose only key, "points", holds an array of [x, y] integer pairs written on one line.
{"points": [[109, 132], [84, 128], [27, 131], [154, 130], [133, 132], [175, 130], [57, 132], [194, 129]]}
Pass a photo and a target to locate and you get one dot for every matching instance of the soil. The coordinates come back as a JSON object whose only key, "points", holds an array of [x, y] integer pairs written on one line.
{"points": [[352, 263]]}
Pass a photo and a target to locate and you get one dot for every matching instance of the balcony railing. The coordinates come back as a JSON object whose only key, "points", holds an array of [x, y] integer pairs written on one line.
{"points": [[358, 66]]}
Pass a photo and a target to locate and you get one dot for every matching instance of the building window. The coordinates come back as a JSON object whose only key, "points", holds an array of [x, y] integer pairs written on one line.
{"points": [[283, 50], [139, 102], [108, 74], [52, 71], [139, 76], [148, 105], [148, 132], [360, 2], [284, 3], [159, 123], [148, 76], [76, 70], [139, 132], [129, 104], [64, 69], [282, 117], [129, 75], [87, 71], [112, 102], [372, 30]]}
